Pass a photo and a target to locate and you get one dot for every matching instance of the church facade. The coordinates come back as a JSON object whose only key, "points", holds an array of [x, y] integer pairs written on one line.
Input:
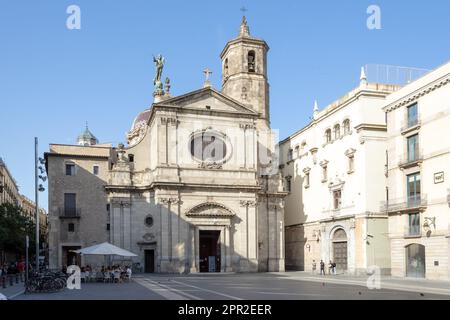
{"points": [[197, 187]]}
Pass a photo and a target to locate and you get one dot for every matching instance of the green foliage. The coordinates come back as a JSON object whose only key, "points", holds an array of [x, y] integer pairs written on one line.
{"points": [[14, 226]]}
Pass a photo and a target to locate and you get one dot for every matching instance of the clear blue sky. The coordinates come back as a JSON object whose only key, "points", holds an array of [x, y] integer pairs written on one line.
{"points": [[53, 79]]}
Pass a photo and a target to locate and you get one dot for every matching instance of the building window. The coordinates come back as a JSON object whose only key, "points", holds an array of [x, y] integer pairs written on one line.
{"points": [[70, 169], [71, 227], [413, 190], [328, 136], [70, 204], [346, 126], [251, 61], [95, 170], [324, 165], [413, 118], [288, 184], [297, 151], [131, 158], [225, 68], [306, 171], [337, 199], [108, 227], [414, 224], [413, 148], [209, 146], [290, 155], [351, 164], [337, 132]]}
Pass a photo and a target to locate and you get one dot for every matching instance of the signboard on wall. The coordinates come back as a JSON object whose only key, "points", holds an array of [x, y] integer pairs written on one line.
{"points": [[438, 177]]}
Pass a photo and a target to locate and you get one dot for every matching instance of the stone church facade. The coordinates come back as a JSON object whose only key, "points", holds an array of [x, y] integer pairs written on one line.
{"points": [[196, 189]]}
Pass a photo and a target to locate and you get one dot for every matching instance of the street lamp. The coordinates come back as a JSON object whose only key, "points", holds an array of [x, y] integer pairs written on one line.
{"points": [[38, 188]]}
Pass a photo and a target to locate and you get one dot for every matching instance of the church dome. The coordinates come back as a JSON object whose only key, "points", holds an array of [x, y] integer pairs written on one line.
{"points": [[141, 119], [87, 138], [138, 128]]}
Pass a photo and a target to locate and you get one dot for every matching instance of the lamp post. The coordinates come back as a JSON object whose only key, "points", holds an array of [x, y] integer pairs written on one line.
{"points": [[36, 195], [38, 188]]}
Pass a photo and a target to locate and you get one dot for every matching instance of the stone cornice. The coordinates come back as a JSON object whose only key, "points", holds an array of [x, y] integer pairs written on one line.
{"points": [[414, 96], [371, 127]]}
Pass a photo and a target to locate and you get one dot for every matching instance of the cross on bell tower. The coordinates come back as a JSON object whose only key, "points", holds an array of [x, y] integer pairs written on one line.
{"points": [[207, 73], [245, 30]]}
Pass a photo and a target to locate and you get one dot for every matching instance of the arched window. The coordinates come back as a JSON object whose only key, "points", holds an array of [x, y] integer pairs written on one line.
{"points": [[346, 126], [337, 132], [328, 136], [251, 61]]}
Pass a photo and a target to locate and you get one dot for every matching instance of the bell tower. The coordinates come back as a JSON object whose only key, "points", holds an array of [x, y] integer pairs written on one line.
{"points": [[244, 71]]}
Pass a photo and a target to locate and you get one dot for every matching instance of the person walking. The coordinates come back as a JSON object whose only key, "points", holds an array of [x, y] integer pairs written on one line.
{"points": [[322, 268], [330, 267], [314, 266], [334, 268]]}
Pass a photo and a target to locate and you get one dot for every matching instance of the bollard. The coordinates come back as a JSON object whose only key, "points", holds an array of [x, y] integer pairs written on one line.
{"points": [[3, 282], [17, 278]]}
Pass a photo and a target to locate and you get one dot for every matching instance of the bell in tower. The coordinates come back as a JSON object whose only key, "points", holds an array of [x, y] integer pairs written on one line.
{"points": [[244, 71]]}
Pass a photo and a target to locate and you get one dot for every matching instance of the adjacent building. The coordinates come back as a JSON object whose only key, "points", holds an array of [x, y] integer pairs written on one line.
{"points": [[418, 170], [197, 187], [334, 173], [9, 191]]}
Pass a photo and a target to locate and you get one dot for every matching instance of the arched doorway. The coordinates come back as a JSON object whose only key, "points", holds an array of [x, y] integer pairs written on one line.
{"points": [[415, 261], [340, 253]]}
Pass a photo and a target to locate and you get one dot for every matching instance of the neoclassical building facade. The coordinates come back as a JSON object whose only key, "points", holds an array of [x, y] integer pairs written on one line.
{"points": [[196, 188], [334, 173], [418, 168]]}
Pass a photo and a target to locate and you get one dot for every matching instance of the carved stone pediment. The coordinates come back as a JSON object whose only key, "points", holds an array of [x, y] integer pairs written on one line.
{"points": [[210, 209]]}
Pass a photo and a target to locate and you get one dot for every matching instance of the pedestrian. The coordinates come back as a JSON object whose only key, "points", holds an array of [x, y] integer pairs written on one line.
{"points": [[314, 266], [322, 268], [330, 267], [334, 268]]}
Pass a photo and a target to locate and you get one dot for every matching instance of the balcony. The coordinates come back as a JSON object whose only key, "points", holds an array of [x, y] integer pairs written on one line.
{"points": [[69, 213], [413, 203], [411, 159], [410, 125]]}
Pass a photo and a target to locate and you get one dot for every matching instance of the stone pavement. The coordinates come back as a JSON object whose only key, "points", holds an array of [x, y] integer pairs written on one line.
{"points": [[12, 291], [260, 286], [441, 287]]}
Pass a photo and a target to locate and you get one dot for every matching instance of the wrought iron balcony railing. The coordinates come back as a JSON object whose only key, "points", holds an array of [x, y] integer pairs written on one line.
{"points": [[69, 213], [411, 158], [410, 124], [416, 202]]}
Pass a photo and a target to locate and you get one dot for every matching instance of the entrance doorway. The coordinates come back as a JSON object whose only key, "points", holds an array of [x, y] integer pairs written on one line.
{"points": [[149, 261], [340, 250], [70, 258], [415, 261], [210, 260]]}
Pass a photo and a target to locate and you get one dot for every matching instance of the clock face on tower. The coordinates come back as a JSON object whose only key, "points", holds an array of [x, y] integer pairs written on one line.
{"points": [[209, 146]]}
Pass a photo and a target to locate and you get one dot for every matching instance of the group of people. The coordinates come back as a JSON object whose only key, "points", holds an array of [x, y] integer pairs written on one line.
{"points": [[14, 268], [331, 267], [114, 274]]}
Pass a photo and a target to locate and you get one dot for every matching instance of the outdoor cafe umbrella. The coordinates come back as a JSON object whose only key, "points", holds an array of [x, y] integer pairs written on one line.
{"points": [[105, 249]]}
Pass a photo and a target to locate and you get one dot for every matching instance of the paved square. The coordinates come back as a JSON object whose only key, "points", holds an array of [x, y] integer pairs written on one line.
{"points": [[233, 287]]}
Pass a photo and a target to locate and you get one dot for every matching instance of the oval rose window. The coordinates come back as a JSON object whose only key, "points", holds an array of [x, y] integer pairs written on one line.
{"points": [[208, 147]]}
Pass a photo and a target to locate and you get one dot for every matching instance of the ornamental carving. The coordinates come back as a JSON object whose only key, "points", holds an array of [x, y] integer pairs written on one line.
{"points": [[248, 203], [210, 165], [210, 209]]}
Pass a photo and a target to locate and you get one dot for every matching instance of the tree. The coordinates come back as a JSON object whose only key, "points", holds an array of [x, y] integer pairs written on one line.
{"points": [[14, 227]]}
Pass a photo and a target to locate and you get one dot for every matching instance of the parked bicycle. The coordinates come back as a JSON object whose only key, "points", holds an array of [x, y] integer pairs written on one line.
{"points": [[46, 282]]}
